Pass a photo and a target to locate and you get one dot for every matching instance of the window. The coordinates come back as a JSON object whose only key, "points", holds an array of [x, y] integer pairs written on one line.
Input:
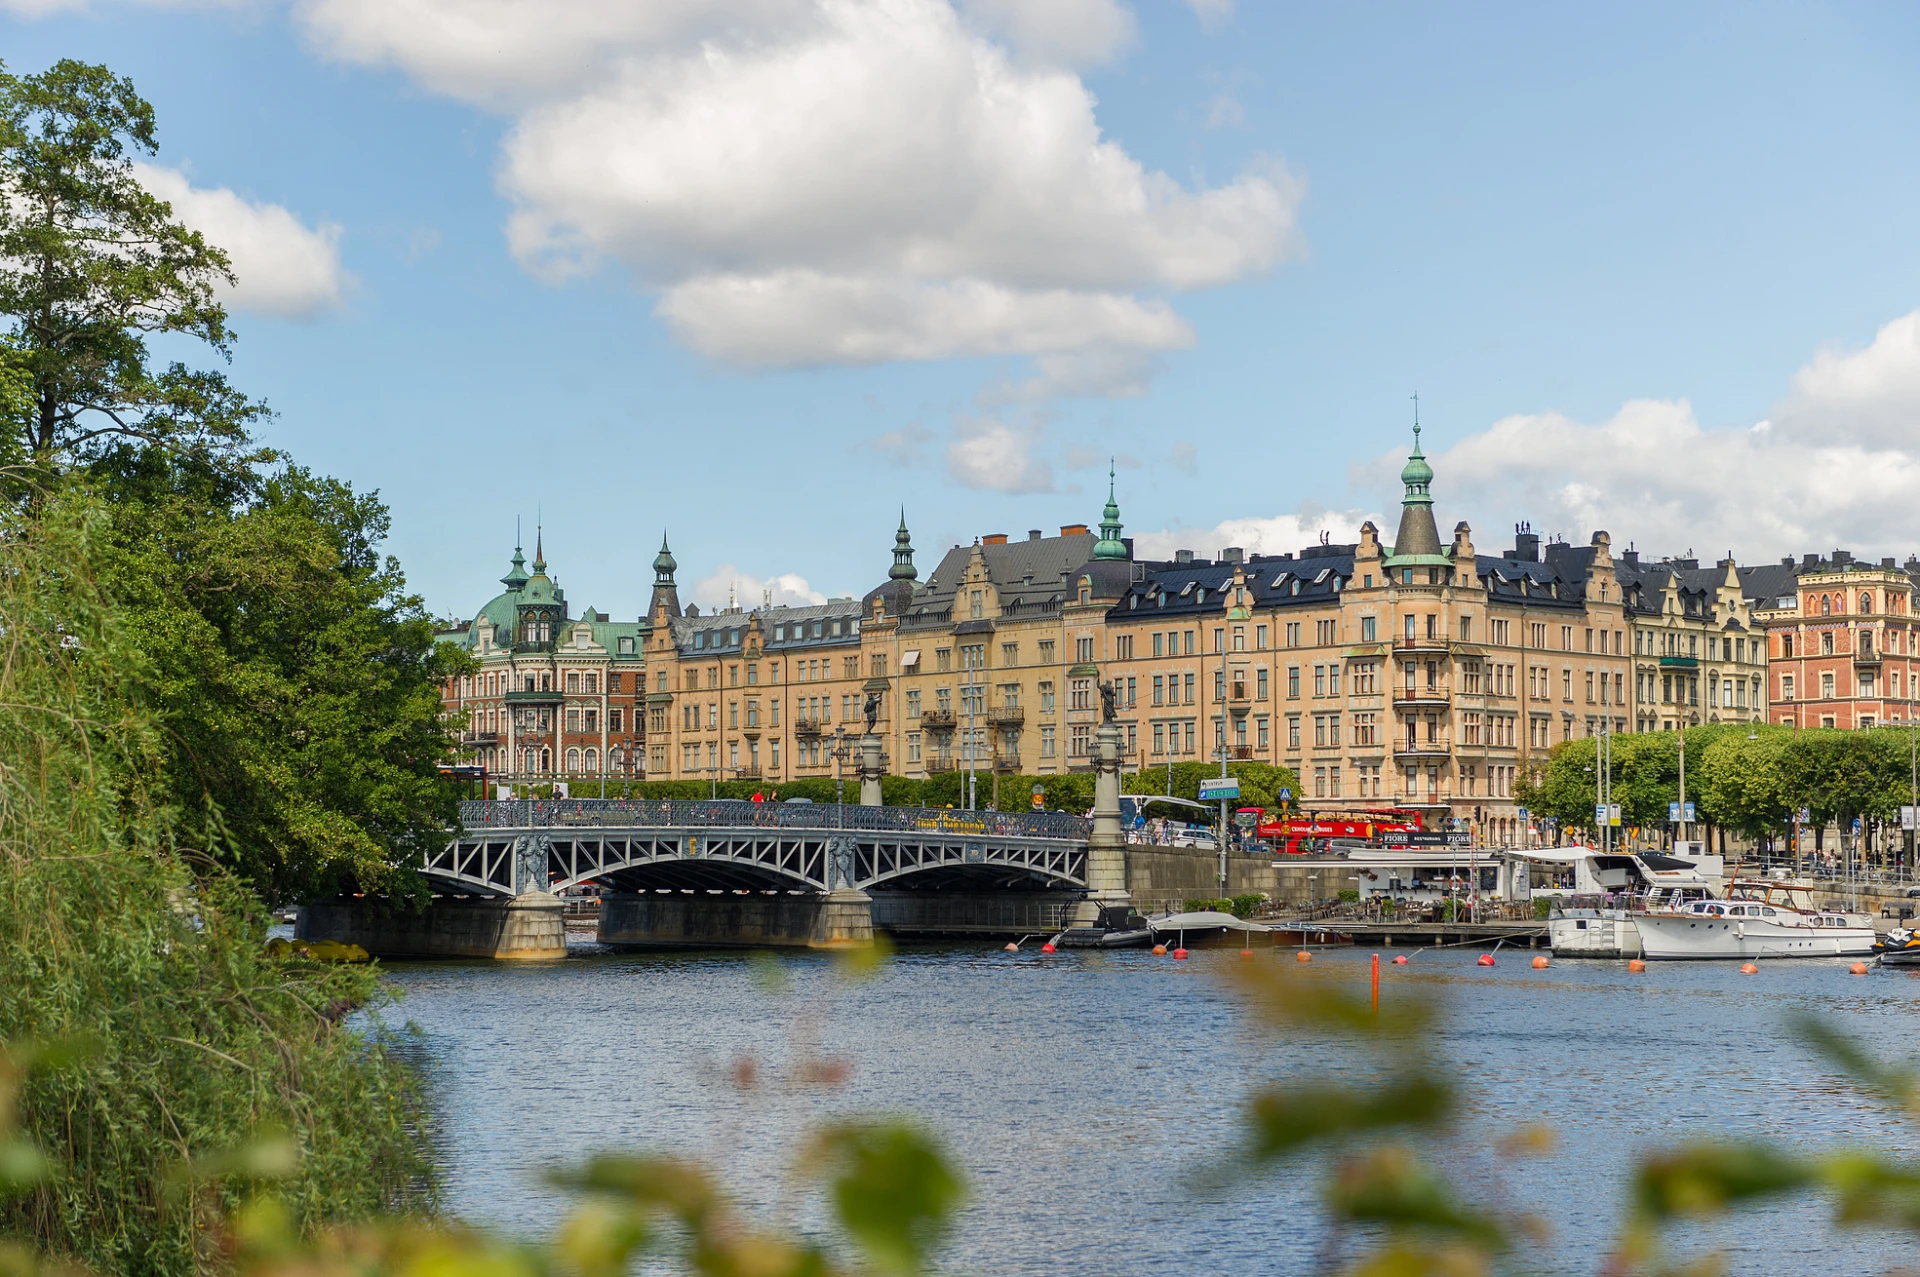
{"points": [[1466, 629], [1189, 642], [1368, 633], [1157, 639], [1365, 727], [1589, 687], [1826, 686], [1293, 634], [1046, 740], [1333, 680], [1046, 651], [1122, 647], [1366, 678], [1260, 684], [614, 719], [1239, 638], [1326, 633], [1133, 698], [1261, 724], [1260, 637], [1293, 731], [1046, 697], [913, 702], [942, 660], [1157, 681], [1080, 693], [1159, 738], [1319, 680], [1083, 650], [1786, 687], [1566, 685], [974, 604], [1293, 682], [1079, 744]]}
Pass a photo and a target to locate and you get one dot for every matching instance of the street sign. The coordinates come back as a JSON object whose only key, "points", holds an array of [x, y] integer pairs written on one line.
{"points": [[1613, 813], [1600, 813], [1690, 815], [1906, 818], [1856, 824], [1673, 812], [1286, 795], [1219, 787]]}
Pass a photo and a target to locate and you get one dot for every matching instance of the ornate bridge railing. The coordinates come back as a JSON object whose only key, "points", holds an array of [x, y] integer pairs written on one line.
{"points": [[706, 813], [507, 848]]}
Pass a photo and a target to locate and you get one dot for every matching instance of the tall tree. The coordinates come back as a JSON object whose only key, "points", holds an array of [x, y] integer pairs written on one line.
{"points": [[92, 265]]}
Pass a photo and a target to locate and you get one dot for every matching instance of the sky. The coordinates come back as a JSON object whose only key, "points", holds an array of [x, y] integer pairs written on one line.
{"points": [[763, 273]]}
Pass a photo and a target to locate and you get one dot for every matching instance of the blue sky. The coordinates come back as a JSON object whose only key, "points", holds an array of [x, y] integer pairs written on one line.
{"points": [[735, 269]]}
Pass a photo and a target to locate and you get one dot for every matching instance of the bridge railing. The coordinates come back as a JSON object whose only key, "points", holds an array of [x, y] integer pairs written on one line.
{"points": [[711, 813]]}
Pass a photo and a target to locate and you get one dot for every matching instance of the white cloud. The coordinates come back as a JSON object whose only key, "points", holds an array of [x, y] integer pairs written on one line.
{"points": [[840, 181], [1256, 534], [1225, 112], [990, 454], [283, 267], [1212, 13], [1064, 32], [729, 583], [1837, 465]]}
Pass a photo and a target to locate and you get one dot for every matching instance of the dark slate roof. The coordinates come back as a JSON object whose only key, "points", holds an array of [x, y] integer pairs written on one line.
{"points": [[781, 628], [1035, 575], [1317, 574]]}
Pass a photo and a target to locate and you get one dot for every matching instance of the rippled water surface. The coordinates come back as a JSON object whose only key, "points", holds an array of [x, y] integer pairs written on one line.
{"points": [[1079, 1091]]}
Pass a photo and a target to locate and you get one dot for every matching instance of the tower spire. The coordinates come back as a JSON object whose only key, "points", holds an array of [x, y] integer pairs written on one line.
{"points": [[665, 592], [902, 569], [1110, 546], [1418, 543]]}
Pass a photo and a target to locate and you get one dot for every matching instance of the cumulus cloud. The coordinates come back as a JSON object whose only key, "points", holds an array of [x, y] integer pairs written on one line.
{"points": [[990, 454], [841, 181], [729, 584], [1256, 534], [1838, 464], [282, 266]]}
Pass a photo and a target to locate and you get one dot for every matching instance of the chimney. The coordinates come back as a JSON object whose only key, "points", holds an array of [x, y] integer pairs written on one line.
{"points": [[1183, 556], [1630, 557], [994, 538], [1233, 554], [1887, 562], [1842, 560], [1033, 534], [1809, 562], [1526, 543], [1786, 560], [1073, 529]]}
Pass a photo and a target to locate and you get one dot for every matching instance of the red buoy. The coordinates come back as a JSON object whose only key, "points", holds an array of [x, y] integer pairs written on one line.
{"points": [[1246, 955], [1486, 959], [1159, 951], [1747, 968], [1303, 956], [1858, 968], [1047, 947], [1180, 953], [1400, 960], [1636, 966], [1012, 947], [1540, 962]]}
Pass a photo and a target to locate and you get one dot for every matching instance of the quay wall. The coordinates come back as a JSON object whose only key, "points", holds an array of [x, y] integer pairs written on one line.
{"points": [[656, 921], [1159, 876], [528, 926]]}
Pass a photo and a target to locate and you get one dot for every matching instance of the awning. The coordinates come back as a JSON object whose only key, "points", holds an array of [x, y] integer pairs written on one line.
{"points": [[910, 658]]}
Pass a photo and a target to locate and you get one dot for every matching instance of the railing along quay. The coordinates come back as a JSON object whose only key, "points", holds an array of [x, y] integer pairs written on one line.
{"points": [[537, 813]]}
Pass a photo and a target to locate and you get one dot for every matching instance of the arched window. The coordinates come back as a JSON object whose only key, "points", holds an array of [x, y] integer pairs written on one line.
{"points": [[573, 682], [546, 760], [1786, 645], [1866, 603], [1826, 606], [573, 760], [592, 761]]}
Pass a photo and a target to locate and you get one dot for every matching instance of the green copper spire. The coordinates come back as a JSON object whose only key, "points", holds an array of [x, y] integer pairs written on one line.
{"points": [[664, 564], [1417, 474], [539, 555], [902, 569], [1110, 546], [517, 575], [1418, 544]]}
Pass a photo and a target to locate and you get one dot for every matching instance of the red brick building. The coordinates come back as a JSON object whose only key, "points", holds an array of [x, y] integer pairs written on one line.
{"points": [[1844, 648]]}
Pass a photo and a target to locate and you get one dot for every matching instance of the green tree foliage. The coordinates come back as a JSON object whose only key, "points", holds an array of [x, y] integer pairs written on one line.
{"points": [[121, 932], [91, 267], [1260, 783], [295, 681]]}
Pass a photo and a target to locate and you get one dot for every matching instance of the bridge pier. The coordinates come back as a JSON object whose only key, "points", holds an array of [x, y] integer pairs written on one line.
{"points": [[676, 920], [1107, 841], [527, 926]]}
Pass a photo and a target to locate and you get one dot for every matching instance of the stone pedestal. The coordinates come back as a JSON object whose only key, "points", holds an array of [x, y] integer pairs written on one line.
{"points": [[1107, 844], [845, 921], [872, 768], [532, 925]]}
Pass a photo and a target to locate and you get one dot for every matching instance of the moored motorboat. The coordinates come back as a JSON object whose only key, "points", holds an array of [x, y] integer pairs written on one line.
{"points": [[1206, 928], [1115, 927], [1901, 948], [1757, 920]]}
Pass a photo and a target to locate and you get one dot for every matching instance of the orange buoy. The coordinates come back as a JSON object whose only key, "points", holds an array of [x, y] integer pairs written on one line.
{"points": [[1012, 947], [1159, 951], [1747, 968], [1246, 955], [1486, 960], [1540, 962], [1858, 968], [1303, 956], [1400, 960], [1180, 953], [1636, 966], [1047, 947]]}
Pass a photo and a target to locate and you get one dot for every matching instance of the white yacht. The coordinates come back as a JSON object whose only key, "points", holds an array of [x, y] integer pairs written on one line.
{"points": [[1593, 918], [1756, 920]]}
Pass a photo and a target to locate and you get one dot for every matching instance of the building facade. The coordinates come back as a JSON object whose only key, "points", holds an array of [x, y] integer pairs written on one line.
{"points": [[556, 697], [1844, 645], [1697, 654]]}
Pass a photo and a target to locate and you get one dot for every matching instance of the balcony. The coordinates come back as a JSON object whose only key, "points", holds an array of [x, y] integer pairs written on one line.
{"points": [[936, 766], [1430, 644], [1421, 697], [1241, 753], [1441, 748], [937, 720], [1866, 656], [750, 772], [1007, 716], [809, 727], [1006, 763], [1679, 663], [535, 698], [480, 738]]}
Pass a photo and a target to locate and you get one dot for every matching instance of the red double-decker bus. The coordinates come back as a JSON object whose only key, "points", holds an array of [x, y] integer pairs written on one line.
{"points": [[1301, 835]]}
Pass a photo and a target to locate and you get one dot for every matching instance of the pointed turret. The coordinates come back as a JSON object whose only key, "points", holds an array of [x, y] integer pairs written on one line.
{"points": [[539, 555], [1418, 544], [1110, 546], [903, 569], [665, 592], [516, 575]]}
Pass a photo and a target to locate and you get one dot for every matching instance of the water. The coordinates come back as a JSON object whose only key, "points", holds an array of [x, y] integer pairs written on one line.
{"points": [[1080, 1091]]}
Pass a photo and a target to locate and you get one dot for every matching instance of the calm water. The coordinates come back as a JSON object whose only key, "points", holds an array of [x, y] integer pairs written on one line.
{"points": [[1079, 1090]]}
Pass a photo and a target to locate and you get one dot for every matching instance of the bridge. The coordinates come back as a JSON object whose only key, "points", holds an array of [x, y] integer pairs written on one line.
{"points": [[506, 849]]}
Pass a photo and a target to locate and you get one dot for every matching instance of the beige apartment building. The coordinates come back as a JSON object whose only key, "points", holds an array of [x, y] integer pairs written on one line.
{"points": [[1698, 655]]}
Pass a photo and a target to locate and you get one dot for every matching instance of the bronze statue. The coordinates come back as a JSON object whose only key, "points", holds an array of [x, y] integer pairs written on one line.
{"points": [[873, 710], [1109, 699]]}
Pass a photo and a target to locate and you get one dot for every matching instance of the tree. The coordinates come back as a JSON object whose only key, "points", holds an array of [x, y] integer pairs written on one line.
{"points": [[1260, 783], [295, 681], [1739, 782], [91, 266]]}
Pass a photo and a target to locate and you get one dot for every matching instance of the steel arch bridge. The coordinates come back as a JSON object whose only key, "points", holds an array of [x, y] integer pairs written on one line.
{"points": [[509, 848]]}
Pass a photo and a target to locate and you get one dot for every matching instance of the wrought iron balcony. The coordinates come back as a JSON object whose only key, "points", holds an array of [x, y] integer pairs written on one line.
{"points": [[937, 720], [480, 738], [1430, 644], [1866, 656], [1421, 697], [1442, 748], [1006, 715], [935, 766], [809, 727], [1006, 763], [1242, 752]]}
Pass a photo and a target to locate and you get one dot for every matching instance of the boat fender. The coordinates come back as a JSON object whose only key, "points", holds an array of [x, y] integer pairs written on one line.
{"points": [[1246, 955]]}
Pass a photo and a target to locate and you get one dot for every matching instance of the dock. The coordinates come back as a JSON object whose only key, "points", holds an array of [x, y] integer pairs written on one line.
{"points": [[1407, 935]]}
